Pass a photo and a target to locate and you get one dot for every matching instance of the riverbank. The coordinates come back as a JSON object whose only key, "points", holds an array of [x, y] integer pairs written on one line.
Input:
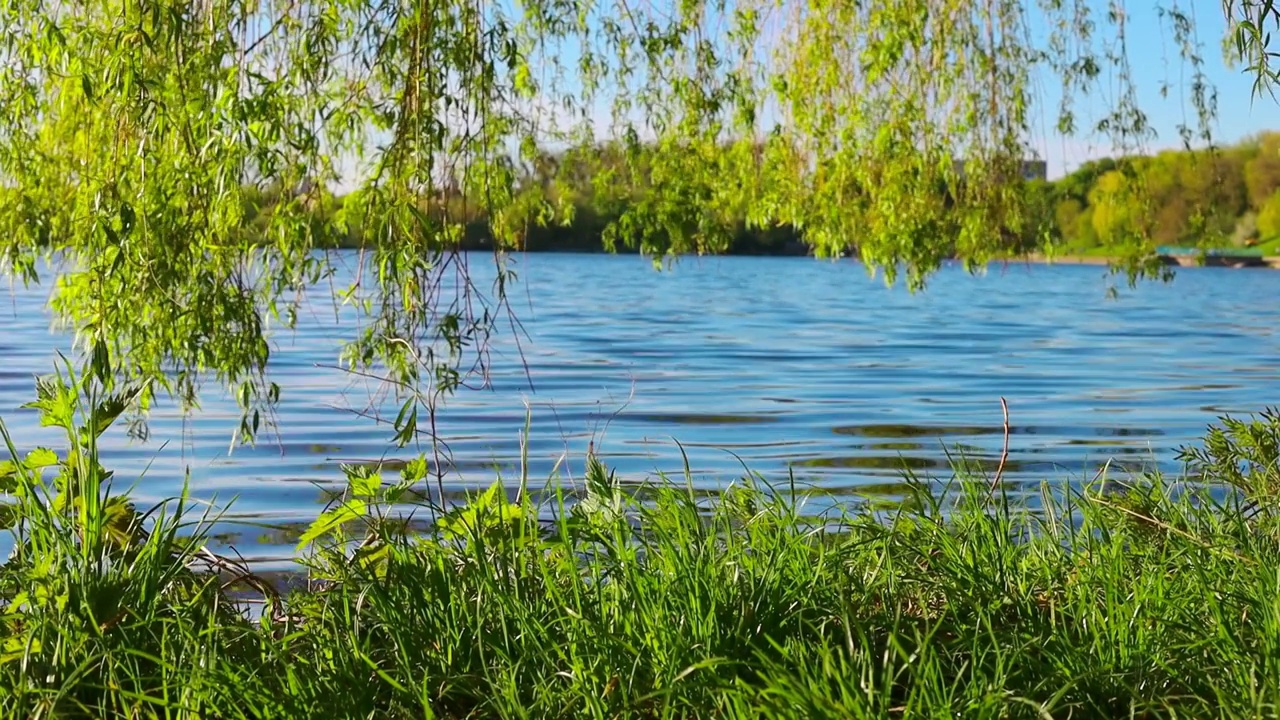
{"points": [[1261, 261], [1043, 259], [1135, 597]]}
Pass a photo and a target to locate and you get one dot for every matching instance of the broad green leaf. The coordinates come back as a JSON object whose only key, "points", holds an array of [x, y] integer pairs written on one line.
{"points": [[366, 486], [414, 470], [331, 520], [487, 511], [18, 647], [37, 459], [55, 403], [374, 556]]}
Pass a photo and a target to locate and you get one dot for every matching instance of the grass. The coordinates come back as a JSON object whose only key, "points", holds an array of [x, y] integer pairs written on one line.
{"points": [[1269, 246], [1149, 598]]}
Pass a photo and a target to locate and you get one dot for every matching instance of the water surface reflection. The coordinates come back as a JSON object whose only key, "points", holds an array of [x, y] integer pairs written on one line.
{"points": [[799, 369]]}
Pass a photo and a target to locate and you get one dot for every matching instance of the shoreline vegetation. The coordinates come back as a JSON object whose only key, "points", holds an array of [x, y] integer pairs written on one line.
{"points": [[1227, 260], [1121, 596], [187, 154], [1222, 200]]}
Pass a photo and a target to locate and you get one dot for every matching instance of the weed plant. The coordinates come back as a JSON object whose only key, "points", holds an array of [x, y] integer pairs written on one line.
{"points": [[1142, 598]]}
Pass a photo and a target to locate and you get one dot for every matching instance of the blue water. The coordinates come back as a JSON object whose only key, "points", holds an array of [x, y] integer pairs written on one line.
{"points": [[789, 365]]}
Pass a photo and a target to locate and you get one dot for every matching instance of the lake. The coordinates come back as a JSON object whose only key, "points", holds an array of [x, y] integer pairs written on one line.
{"points": [[789, 365]]}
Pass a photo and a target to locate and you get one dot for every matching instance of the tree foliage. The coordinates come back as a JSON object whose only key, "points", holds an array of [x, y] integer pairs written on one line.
{"points": [[1269, 216], [1206, 198], [1249, 39], [140, 137], [1262, 172]]}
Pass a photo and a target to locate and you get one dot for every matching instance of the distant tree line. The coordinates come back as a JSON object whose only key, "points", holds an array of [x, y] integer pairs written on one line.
{"points": [[578, 201], [1211, 198]]}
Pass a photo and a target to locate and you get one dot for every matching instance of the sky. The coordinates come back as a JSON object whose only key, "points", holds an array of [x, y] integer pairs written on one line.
{"points": [[1154, 60]]}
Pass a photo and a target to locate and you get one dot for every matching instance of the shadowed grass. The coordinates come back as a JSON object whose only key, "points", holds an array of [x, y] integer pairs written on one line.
{"points": [[1152, 599]]}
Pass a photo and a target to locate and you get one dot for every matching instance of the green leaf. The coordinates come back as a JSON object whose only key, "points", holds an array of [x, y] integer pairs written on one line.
{"points": [[366, 486], [363, 480], [486, 512], [414, 470], [111, 408], [331, 520], [38, 459], [374, 556], [122, 523], [55, 403], [100, 364], [406, 423], [18, 647]]}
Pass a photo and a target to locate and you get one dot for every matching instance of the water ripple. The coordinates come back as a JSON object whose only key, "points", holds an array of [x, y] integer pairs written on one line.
{"points": [[798, 368]]}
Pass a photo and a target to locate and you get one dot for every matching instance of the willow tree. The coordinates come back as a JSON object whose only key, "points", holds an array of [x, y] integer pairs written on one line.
{"points": [[135, 134]]}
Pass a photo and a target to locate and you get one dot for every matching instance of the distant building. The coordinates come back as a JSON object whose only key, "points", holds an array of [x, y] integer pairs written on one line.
{"points": [[1031, 169], [1035, 170]]}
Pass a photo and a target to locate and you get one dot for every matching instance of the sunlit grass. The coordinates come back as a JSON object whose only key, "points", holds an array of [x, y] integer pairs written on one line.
{"points": [[1147, 598], [1269, 246]]}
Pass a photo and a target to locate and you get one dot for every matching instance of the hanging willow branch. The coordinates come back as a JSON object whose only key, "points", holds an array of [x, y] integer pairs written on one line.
{"points": [[142, 140]]}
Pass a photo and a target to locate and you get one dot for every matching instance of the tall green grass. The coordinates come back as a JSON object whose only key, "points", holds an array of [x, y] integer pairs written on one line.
{"points": [[1148, 598]]}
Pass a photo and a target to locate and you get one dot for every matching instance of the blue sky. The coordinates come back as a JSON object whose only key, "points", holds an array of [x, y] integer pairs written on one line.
{"points": [[1154, 60]]}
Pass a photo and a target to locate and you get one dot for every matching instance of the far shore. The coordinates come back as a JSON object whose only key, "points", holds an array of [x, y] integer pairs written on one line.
{"points": [[1041, 258], [1270, 261]]}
